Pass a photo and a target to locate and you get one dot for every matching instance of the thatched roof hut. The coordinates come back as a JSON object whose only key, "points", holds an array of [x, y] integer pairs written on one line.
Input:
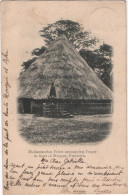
{"points": [[72, 76]]}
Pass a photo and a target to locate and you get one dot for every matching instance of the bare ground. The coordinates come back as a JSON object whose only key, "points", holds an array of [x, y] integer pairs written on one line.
{"points": [[76, 130]]}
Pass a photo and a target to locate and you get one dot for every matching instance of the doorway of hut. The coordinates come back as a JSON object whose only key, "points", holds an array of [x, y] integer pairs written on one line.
{"points": [[24, 106]]}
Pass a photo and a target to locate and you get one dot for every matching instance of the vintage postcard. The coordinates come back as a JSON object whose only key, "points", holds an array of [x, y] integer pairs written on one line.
{"points": [[64, 97]]}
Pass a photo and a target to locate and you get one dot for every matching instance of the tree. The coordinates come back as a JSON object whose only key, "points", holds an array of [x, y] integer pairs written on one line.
{"points": [[72, 30], [39, 51], [100, 60], [36, 52], [105, 56], [26, 64]]}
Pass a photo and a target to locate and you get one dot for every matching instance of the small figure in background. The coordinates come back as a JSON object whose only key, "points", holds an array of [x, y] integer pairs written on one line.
{"points": [[52, 94], [53, 91]]}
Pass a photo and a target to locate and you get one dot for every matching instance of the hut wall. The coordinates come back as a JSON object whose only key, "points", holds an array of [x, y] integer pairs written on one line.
{"points": [[89, 108], [24, 106], [29, 106], [76, 107]]}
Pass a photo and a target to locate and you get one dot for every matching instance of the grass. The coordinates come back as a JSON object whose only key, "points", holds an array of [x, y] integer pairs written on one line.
{"points": [[77, 130]]}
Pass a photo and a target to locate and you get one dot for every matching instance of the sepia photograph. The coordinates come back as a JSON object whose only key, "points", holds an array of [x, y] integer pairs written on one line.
{"points": [[64, 97], [65, 88]]}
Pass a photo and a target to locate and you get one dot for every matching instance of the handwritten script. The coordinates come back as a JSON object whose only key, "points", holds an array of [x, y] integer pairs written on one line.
{"points": [[7, 140], [70, 175]]}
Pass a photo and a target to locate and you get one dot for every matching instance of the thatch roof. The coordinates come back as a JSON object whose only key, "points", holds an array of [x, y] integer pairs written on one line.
{"points": [[72, 76]]}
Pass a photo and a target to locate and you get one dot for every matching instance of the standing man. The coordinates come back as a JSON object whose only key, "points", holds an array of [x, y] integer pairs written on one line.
{"points": [[52, 94], [53, 91]]}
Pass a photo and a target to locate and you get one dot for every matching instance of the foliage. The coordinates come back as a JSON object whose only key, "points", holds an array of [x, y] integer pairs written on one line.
{"points": [[39, 51], [73, 31], [100, 61], [26, 64]]}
